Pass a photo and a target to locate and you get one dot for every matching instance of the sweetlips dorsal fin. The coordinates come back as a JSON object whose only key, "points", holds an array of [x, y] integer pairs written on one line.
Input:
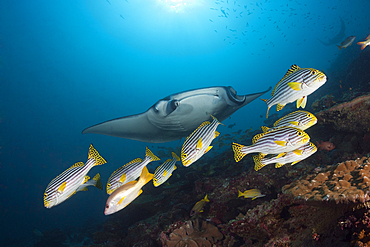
{"points": [[257, 137], [292, 69], [137, 160], [200, 126]]}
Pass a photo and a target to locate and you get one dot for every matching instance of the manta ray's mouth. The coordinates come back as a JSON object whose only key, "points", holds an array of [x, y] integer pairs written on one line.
{"points": [[231, 93]]}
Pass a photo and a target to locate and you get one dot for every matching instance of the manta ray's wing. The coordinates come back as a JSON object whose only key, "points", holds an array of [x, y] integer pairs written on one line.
{"points": [[176, 116]]}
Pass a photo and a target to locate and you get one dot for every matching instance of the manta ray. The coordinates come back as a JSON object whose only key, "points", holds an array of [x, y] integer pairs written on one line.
{"points": [[339, 37], [176, 116]]}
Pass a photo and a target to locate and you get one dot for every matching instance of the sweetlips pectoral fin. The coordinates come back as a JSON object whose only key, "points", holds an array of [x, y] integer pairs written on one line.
{"points": [[62, 187], [281, 143], [199, 144], [295, 85]]}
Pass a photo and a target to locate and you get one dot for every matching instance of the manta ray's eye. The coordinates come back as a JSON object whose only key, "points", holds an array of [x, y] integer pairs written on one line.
{"points": [[171, 106]]}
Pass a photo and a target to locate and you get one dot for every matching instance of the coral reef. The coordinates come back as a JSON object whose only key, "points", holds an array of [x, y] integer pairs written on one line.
{"points": [[344, 183], [192, 234], [350, 116]]}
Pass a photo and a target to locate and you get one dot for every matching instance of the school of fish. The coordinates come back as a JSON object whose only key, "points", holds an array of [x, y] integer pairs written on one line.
{"points": [[286, 142]]}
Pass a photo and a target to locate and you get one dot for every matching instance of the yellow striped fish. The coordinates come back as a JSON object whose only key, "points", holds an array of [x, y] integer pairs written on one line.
{"points": [[128, 192], [296, 85], [129, 172], [73, 179], [253, 193], [277, 141], [164, 171], [298, 119], [198, 143], [198, 207], [293, 157]]}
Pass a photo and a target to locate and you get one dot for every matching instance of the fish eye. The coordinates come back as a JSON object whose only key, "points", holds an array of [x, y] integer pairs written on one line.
{"points": [[299, 133], [309, 115], [106, 206], [313, 72], [45, 195]]}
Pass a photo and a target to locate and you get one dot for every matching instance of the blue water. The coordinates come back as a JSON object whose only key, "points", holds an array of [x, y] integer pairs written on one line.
{"points": [[66, 65]]}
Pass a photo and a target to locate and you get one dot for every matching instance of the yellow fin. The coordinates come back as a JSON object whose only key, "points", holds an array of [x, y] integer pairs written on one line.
{"points": [[298, 152], [294, 123], [120, 201], [206, 198], [216, 134], [165, 173], [77, 164], [280, 155], [265, 129], [238, 155], [302, 102], [145, 175], [295, 85], [62, 187], [141, 191], [199, 144], [257, 161], [200, 126], [279, 107], [86, 179], [137, 160], [122, 179], [174, 155], [295, 162], [278, 165], [281, 143], [151, 155], [292, 69], [257, 137], [209, 148], [98, 183], [175, 167], [240, 193], [84, 189], [93, 153], [217, 120]]}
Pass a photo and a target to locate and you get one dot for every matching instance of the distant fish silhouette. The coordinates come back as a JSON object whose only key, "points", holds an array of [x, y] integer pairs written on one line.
{"points": [[337, 38]]}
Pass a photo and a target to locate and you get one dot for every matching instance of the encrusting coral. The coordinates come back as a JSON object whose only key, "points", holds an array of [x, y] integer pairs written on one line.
{"points": [[344, 183], [192, 235], [350, 116]]}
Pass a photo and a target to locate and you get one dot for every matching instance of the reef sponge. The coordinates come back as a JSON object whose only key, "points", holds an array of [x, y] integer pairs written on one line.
{"points": [[350, 116], [344, 183], [193, 236]]}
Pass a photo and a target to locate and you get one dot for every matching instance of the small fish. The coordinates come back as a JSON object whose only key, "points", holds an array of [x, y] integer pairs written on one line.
{"points": [[198, 207], [125, 194], [365, 43], [253, 193], [328, 146], [129, 172], [231, 125], [347, 42], [73, 179], [198, 143], [164, 171], [298, 119], [293, 157], [277, 141], [296, 85]]}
